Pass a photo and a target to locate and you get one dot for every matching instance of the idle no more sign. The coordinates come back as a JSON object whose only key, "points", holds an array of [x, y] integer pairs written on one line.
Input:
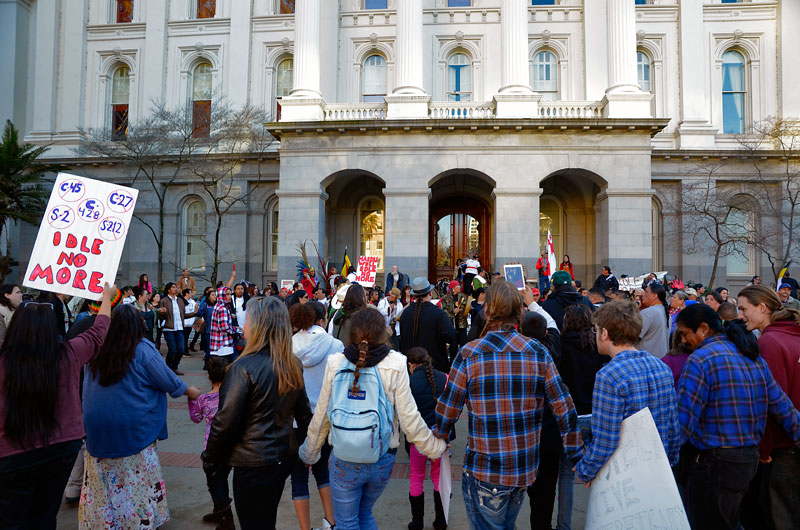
{"points": [[367, 270], [81, 237]]}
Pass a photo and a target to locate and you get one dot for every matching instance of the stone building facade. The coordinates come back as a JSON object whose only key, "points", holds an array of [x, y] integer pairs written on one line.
{"points": [[423, 130]]}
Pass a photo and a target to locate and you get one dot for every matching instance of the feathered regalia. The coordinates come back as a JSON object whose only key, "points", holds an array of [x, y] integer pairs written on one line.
{"points": [[304, 267]]}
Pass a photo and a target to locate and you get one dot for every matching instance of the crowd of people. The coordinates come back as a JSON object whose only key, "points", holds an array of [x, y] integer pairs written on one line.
{"points": [[322, 380]]}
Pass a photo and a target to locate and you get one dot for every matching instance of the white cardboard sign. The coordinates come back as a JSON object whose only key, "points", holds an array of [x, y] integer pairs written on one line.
{"points": [[81, 237], [636, 489], [367, 270]]}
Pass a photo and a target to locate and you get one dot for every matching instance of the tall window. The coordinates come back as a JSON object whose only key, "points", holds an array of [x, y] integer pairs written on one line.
{"points": [[120, 91], [739, 227], [545, 75], [286, 6], [371, 217], [643, 71], [373, 87], [733, 92], [272, 235], [641, 3], [459, 78], [375, 4], [543, 2], [124, 11], [283, 82], [550, 218], [459, 3], [194, 229], [201, 100], [206, 8]]}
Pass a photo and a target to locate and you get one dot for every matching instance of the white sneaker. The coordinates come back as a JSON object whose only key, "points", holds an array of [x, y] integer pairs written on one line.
{"points": [[325, 525]]}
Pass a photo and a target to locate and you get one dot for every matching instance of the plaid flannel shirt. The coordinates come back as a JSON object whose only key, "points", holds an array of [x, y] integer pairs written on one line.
{"points": [[221, 327], [506, 380], [724, 397], [631, 381]]}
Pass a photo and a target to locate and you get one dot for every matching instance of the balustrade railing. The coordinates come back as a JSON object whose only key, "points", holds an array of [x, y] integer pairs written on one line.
{"points": [[461, 110], [570, 109], [355, 111]]}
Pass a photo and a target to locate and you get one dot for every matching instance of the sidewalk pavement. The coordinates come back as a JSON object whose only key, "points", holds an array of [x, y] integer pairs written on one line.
{"points": [[188, 497]]}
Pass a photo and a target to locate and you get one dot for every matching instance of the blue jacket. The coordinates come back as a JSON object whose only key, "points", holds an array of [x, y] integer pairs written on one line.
{"points": [[205, 312], [122, 419]]}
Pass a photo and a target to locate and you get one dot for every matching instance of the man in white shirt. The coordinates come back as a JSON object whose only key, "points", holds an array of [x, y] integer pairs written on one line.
{"points": [[239, 301], [188, 322], [172, 310], [471, 270], [390, 307]]}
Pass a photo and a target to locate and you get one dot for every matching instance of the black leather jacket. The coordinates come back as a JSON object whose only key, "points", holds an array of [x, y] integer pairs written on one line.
{"points": [[253, 426]]}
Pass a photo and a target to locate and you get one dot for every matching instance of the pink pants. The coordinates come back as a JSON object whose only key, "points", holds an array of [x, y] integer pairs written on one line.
{"points": [[418, 463]]}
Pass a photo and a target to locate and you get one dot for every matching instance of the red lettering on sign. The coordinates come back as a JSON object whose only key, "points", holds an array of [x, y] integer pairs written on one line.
{"points": [[56, 239], [46, 274], [96, 246], [72, 241], [80, 275], [84, 248], [94, 282], [63, 275]]}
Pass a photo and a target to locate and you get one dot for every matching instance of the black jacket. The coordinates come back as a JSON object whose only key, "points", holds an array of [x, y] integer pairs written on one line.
{"points": [[60, 308], [563, 298], [579, 366], [604, 283], [434, 333], [421, 390], [253, 426]]}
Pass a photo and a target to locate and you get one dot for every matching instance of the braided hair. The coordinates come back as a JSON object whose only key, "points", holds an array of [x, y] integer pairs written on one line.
{"points": [[418, 301], [368, 328], [363, 350], [420, 356]]}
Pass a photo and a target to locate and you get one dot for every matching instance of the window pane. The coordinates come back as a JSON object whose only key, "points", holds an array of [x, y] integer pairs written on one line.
{"points": [[458, 3], [120, 86], [738, 225], [206, 8], [285, 78], [119, 122], [273, 238], [543, 2], [459, 78], [641, 2], [124, 11], [375, 4], [545, 75], [372, 229], [201, 119], [287, 6], [643, 71], [733, 93], [201, 82], [374, 78], [549, 218], [194, 227]]}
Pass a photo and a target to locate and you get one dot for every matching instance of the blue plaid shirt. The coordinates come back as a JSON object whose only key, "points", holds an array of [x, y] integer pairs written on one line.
{"points": [[724, 397], [506, 380], [632, 381]]}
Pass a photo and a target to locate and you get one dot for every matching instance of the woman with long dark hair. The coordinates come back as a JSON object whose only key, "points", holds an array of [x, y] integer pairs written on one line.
{"points": [[40, 411], [142, 303], [125, 413], [725, 392], [355, 486], [10, 299], [144, 284], [261, 397], [354, 300], [566, 265]]}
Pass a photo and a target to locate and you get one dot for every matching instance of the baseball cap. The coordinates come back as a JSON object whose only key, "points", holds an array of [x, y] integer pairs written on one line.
{"points": [[535, 291], [561, 278], [784, 286]]}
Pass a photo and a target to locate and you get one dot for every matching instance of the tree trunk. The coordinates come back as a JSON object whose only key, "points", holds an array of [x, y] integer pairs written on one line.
{"points": [[714, 269], [216, 248], [160, 242]]}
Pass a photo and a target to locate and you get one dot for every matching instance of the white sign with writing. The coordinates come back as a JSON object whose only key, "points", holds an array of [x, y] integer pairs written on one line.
{"points": [[636, 489], [81, 237], [367, 270]]}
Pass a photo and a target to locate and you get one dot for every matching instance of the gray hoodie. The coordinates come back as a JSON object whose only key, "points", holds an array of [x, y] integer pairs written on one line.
{"points": [[313, 346]]}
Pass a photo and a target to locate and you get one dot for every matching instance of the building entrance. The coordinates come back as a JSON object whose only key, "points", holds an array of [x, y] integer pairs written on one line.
{"points": [[459, 227]]}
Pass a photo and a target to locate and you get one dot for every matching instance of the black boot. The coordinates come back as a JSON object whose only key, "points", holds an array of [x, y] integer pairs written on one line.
{"points": [[216, 516], [417, 512], [440, 523], [226, 520]]}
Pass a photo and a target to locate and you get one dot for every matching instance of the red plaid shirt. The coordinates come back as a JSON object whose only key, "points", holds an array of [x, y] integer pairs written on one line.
{"points": [[221, 322]]}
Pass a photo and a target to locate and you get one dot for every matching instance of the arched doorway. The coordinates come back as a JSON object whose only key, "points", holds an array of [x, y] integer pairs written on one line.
{"points": [[460, 223]]}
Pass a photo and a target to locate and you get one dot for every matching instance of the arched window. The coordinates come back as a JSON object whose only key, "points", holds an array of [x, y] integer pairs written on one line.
{"points": [[201, 100], [550, 218], [120, 91], [272, 236], [194, 229], [545, 75], [283, 83], [643, 71], [373, 79], [371, 226], [734, 92], [459, 78], [286, 6], [206, 8], [124, 11], [739, 228]]}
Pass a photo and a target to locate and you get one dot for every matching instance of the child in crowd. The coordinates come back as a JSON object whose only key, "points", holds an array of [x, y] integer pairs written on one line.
{"points": [[427, 385], [205, 408]]}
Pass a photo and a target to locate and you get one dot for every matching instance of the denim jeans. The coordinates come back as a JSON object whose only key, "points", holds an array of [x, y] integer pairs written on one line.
{"points": [[544, 283], [355, 488], [488, 506], [718, 480], [784, 488], [176, 345], [218, 487], [320, 471], [566, 478]]}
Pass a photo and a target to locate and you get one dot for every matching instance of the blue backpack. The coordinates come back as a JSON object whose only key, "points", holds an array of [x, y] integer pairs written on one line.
{"points": [[361, 421]]}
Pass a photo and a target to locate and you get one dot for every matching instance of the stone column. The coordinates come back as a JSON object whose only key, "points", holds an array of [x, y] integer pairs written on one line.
{"points": [[72, 84], [304, 102], [695, 125], [45, 70], [239, 70], [516, 222], [623, 98], [152, 69], [301, 216], [406, 230], [625, 230], [516, 99], [408, 99]]}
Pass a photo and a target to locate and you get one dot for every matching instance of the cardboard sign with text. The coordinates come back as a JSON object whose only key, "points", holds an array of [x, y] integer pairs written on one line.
{"points": [[367, 270], [81, 237], [636, 488]]}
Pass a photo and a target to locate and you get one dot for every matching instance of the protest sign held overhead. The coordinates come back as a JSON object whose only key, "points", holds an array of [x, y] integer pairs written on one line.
{"points": [[81, 237], [367, 270], [636, 488]]}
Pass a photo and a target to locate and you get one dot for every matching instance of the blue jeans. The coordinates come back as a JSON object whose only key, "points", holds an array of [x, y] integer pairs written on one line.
{"points": [[566, 478], [544, 283], [355, 488], [176, 345], [488, 506], [321, 475]]}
